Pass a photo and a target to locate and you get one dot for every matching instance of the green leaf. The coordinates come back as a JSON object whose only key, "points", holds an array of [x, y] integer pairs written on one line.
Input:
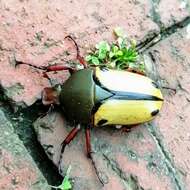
{"points": [[103, 45], [113, 64], [113, 51], [88, 58], [142, 67], [111, 54], [115, 48], [102, 54], [65, 185], [133, 43], [119, 32], [121, 42], [119, 53], [95, 60], [132, 65], [92, 59]]}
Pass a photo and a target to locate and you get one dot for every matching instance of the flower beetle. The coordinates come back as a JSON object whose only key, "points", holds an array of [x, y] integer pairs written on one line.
{"points": [[96, 97]]}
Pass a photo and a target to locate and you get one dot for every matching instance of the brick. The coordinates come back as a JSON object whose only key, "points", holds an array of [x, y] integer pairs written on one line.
{"points": [[17, 169], [170, 12]]}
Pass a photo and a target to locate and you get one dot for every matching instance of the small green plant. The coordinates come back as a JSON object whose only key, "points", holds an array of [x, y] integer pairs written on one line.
{"points": [[66, 184], [121, 54]]}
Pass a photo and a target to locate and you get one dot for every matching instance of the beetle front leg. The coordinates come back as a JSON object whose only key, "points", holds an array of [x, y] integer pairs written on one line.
{"points": [[59, 68], [48, 68]]}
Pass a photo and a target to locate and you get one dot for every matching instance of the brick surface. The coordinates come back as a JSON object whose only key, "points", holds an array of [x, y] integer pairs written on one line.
{"points": [[172, 60], [169, 12], [17, 170], [120, 160]]}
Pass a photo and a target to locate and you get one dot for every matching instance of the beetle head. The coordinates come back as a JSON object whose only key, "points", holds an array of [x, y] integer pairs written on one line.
{"points": [[50, 95]]}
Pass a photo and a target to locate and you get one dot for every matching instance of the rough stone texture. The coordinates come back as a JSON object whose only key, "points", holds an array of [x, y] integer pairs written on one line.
{"points": [[171, 57], [17, 170], [169, 12]]}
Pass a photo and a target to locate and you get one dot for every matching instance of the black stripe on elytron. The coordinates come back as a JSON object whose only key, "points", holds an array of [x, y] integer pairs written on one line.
{"points": [[133, 96], [120, 95]]}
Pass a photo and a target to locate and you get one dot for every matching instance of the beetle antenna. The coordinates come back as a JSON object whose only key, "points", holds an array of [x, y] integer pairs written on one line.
{"points": [[79, 57], [34, 66], [75, 43]]}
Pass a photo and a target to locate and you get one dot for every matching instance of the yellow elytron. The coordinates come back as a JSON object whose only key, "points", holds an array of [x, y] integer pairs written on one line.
{"points": [[137, 98]]}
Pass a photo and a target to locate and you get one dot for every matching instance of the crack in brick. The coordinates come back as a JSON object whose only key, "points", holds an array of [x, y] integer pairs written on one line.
{"points": [[164, 33], [174, 173], [131, 181]]}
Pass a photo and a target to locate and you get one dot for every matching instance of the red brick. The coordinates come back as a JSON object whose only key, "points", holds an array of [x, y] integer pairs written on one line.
{"points": [[17, 169]]}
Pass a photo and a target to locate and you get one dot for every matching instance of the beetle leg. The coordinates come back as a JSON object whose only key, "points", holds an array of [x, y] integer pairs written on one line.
{"points": [[59, 68], [79, 57], [136, 71], [29, 64], [127, 128], [67, 140], [48, 68], [88, 143], [50, 109]]}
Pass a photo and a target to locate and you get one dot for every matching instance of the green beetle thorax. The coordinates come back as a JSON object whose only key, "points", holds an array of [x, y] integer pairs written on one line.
{"points": [[80, 95], [77, 96]]}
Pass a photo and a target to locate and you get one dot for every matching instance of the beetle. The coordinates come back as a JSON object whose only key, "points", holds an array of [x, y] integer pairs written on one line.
{"points": [[96, 97]]}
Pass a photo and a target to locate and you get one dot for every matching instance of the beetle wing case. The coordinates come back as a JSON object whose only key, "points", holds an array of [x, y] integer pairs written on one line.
{"points": [[136, 98]]}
